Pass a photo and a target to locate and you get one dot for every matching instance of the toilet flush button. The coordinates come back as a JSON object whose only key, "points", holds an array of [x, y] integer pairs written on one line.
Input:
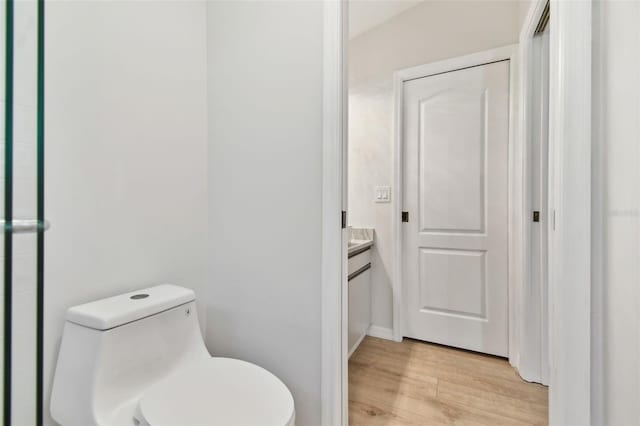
{"points": [[139, 296]]}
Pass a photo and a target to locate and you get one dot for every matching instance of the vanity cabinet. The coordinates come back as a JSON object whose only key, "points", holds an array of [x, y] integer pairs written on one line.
{"points": [[359, 297]]}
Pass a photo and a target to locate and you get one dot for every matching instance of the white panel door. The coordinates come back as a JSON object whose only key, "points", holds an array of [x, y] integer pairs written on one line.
{"points": [[455, 141]]}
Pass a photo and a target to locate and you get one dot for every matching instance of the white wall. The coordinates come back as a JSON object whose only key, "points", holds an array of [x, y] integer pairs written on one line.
{"points": [[265, 159], [126, 153], [432, 31], [616, 215], [523, 10]]}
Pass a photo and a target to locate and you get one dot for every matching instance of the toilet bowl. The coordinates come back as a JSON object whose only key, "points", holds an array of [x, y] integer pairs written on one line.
{"points": [[139, 359]]}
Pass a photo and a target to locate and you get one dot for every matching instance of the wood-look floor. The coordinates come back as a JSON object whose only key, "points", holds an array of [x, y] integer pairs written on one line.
{"points": [[418, 383]]}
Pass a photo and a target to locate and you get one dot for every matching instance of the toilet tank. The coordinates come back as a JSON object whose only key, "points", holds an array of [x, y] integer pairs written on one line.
{"points": [[115, 348]]}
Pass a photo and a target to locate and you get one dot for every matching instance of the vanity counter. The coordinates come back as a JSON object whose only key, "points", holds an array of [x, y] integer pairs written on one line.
{"points": [[360, 239]]}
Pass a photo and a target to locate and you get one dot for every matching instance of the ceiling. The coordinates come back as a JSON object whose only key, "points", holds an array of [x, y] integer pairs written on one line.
{"points": [[366, 14]]}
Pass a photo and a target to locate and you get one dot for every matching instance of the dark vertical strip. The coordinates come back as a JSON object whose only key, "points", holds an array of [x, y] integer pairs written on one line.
{"points": [[8, 210], [40, 213]]}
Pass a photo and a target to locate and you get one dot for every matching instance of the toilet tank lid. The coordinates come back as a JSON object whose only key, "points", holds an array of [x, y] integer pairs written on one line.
{"points": [[115, 311]]}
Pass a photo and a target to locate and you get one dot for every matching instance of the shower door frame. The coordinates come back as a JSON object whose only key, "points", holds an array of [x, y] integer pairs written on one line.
{"points": [[13, 225]]}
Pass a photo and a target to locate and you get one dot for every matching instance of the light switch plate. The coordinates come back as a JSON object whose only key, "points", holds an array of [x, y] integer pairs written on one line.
{"points": [[382, 194]]}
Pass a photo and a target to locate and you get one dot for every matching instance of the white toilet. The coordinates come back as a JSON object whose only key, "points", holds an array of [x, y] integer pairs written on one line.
{"points": [[139, 359]]}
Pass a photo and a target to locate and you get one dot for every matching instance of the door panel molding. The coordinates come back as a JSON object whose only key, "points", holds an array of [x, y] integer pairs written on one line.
{"points": [[467, 198], [456, 259]]}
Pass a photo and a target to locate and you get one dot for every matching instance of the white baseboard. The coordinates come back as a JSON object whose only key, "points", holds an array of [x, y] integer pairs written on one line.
{"points": [[353, 349], [381, 332]]}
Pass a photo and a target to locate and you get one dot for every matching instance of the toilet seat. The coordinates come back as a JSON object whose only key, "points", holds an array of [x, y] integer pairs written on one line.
{"points": [[216, 392]]}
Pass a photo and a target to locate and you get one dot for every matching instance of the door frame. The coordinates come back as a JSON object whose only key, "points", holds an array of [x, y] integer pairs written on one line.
{"points": [[514, 171], [333, 293], [570, 147], [569, 200]]}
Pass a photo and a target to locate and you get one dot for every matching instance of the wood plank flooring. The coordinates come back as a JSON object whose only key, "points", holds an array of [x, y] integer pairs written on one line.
{"points": [[418, 383]]}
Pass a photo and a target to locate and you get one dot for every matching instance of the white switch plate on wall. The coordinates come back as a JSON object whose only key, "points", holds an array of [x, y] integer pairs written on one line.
{"points": [[382, 194]]}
